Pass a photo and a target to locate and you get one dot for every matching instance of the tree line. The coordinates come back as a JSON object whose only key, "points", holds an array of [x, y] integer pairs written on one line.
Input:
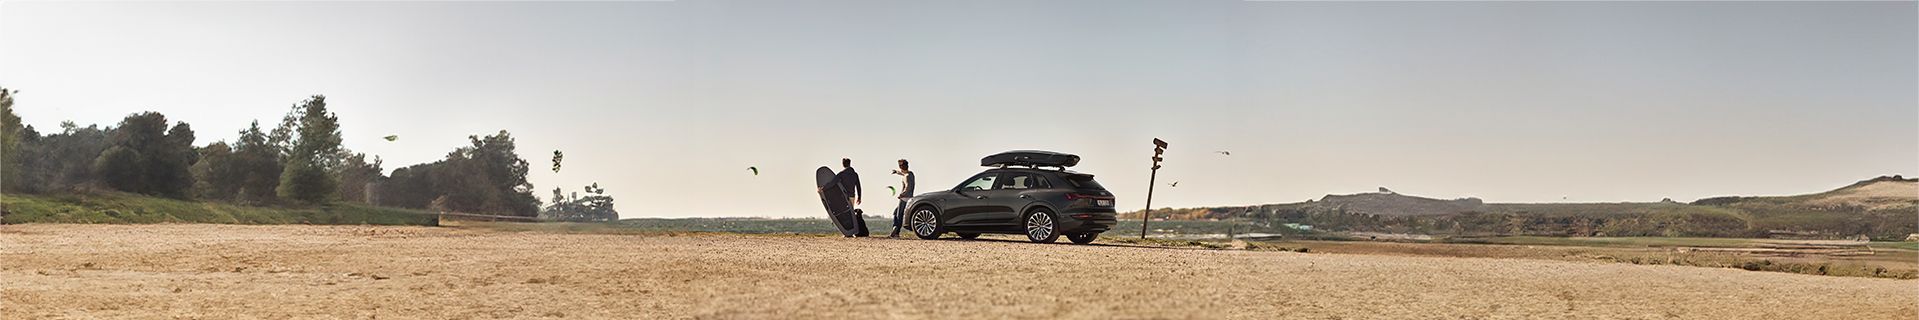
{"points": [[300, 162]]}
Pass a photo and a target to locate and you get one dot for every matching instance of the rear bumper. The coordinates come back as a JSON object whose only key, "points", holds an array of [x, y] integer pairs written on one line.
{"points": [[1087, 222]]}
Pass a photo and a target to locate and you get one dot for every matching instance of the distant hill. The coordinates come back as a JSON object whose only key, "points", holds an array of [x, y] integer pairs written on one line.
{"points": [[1394, 204], [1882, 193], [1884, 207]]}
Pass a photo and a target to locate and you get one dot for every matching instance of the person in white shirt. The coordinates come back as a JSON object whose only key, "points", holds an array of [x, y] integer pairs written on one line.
{"points": [[906, 192]]}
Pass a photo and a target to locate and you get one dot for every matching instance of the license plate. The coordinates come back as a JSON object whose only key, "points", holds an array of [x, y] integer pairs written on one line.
{"points": [[1103, 203]]}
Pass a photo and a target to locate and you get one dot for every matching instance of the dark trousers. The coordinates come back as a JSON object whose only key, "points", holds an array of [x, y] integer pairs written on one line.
{"points": [[899, 216]]}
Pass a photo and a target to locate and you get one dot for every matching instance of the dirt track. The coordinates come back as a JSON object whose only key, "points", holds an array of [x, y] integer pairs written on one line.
{"points": [[219, 271]]}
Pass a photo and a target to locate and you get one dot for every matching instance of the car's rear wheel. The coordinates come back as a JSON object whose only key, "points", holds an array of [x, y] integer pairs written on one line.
{"points": [[926, 223], [1041, 227], [968, 235], [1082, 238]]}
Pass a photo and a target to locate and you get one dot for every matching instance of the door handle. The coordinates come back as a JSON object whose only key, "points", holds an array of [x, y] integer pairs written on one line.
{"points": [[1025, 197], [979, 197]]}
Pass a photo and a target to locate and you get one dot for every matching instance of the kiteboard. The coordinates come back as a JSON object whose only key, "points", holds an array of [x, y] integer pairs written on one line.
{"points": [[838, 208]]}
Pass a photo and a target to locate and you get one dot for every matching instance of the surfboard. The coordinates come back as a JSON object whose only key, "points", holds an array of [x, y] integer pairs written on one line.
{"points": [[833, 197]]}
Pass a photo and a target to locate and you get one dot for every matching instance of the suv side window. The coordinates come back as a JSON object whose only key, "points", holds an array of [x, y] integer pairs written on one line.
{"points": [[984, 181], [1018, 181], [1025, 181]]}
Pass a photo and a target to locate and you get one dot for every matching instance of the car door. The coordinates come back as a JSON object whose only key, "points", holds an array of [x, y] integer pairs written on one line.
{"points": [[974, 202], [1012, 197]]}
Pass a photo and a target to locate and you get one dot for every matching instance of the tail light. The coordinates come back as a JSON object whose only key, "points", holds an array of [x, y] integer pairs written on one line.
{"points": [[1097, 200], [1076, 196]]}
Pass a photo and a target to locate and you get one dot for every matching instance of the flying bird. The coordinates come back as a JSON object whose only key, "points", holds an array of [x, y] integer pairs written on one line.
{"points": [[1222, 152], [756, 170], [392, 138]]}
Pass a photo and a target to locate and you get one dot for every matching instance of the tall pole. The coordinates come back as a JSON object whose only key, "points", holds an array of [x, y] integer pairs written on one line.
{"points": [[1159, 148], [1148, 215]]}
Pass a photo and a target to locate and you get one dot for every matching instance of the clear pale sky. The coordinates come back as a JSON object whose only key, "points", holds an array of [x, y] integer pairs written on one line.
{"points": [[666, 104]]}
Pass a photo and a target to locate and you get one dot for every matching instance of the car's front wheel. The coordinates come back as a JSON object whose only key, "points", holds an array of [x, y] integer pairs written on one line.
{"points": [[926, 223], [1041, 227], [1083, 238]]}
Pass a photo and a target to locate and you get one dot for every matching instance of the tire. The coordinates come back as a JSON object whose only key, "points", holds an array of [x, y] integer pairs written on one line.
{"points": [[968, 235], [1083, 238], [1041, 226], [925, 223]]}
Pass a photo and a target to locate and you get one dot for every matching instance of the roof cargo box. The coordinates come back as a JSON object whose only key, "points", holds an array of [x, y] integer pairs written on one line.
{"points": [[1034, 158]]}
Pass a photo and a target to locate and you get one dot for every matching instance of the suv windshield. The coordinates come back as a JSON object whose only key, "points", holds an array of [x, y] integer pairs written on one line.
{"points": [[982, 182]]}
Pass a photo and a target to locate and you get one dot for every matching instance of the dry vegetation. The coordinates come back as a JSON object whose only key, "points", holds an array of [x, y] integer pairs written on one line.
{"points": [[1744, 254], [228, 271]]}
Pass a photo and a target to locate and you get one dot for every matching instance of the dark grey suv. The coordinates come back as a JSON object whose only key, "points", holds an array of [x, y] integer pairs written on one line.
{"points": [[1020, 195]]}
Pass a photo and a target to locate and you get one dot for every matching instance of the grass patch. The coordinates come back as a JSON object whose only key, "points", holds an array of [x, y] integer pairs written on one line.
{"points": [[1620, 242], [1130, 228], [123, 208], [1644, 251], [593, 228], [1168, 243], [1813, 267], [1268, 246], [880, 225], [745, 225], [1901, 245], [737, 225]]}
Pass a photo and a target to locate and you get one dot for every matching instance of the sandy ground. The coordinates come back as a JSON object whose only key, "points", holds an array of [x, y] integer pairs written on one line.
{"points": [[220, 271]]}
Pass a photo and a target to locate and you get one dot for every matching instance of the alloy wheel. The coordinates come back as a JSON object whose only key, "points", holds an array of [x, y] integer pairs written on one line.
{"points": [[1039, 227], [925, 223]]}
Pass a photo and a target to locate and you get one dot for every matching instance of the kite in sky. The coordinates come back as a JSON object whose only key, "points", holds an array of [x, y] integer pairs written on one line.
{"points": [[392, 138], [556, 160], [1175, 184], [1228, 153], [756, 170]]}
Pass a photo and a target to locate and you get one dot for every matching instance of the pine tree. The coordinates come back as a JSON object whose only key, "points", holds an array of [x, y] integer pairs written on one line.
{"points": [[11, 134], [312, 155]]}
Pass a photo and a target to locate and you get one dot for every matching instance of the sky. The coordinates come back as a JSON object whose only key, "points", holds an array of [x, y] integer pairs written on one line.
{"points": [[666, 103]]}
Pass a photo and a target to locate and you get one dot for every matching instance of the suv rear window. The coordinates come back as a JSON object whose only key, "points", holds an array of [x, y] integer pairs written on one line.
{"points": [[1082, 181]]}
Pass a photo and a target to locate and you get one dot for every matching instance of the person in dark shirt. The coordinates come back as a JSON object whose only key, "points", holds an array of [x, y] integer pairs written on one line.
{"points": [[849, 181]]}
